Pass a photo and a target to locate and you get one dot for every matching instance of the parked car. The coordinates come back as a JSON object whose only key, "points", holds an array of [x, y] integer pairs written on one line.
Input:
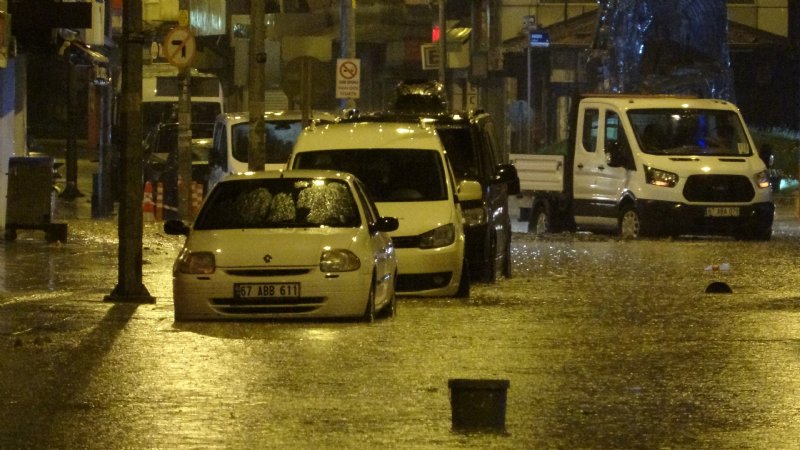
{"points": [[294, 244], [161, 160], [232, 140], [469, 139], [405, 169]]}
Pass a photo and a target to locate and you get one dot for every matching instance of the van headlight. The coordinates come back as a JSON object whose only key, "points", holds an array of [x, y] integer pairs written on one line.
{"points": [[195, 263], [658, 177], [762, 179], [438, 237]]}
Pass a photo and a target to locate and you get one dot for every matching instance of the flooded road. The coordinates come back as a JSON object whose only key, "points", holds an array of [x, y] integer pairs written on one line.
{"points": [[605, 344]]}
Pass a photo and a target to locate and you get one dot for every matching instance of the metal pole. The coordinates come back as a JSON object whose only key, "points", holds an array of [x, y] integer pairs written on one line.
{"points": [[443, 47], [347, 10], [185, 146], [256, 155], [129, 287], [529, 126], [71, 191]]}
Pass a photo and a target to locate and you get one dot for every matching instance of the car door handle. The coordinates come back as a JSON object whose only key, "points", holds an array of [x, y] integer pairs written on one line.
{"points": [[580, 166], [601, 168]]}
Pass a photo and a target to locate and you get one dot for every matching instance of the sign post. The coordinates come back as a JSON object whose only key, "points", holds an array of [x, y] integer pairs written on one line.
{"points": [[180, 48]]}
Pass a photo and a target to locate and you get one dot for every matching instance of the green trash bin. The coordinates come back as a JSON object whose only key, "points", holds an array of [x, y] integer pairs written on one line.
{"points": [[31, 198]]}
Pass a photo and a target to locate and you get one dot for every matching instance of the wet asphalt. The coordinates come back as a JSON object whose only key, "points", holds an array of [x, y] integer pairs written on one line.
{"points": [[604, 343]]}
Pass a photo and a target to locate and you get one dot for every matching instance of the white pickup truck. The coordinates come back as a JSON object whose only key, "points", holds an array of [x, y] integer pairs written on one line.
{"points": [[651, 166]]}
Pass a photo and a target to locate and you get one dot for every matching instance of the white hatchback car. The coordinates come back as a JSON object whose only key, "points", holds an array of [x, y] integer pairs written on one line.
{"points": [[294, 244], [405, 168]]}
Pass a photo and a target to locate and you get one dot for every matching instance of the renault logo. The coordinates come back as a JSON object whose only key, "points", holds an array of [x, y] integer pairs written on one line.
{"points": [[267, 259]]}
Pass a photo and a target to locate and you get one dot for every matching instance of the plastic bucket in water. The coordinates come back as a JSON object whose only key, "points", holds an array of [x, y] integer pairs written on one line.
{"points": [[478, 405]]}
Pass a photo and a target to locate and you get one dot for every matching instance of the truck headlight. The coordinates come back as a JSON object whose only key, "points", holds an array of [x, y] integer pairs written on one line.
{"points": [[762, 179], [658, 177], [438, 237]]}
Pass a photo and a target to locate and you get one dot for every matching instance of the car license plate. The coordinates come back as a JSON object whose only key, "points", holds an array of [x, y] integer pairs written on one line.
{"points": [[266, 290], [722, 211]]}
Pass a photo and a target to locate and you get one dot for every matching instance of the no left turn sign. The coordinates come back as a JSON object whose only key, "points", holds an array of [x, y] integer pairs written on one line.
{"points": [[180, 47]]}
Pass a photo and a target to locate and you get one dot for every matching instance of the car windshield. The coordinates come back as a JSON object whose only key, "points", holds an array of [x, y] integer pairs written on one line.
{"points": [[279, 139], [690, 132], [391, 175], [279, 203], [458, 143]]}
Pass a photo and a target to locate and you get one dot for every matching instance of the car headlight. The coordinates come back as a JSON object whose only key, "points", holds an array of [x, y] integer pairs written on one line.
{"points": [[438, 237], [201, 263], [338, 260], [762, 179], [474, 216], [658, 177]]}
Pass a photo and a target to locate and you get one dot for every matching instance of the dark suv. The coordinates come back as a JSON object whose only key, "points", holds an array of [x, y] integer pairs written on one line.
{"points": [[473, 153], [472, 149]]}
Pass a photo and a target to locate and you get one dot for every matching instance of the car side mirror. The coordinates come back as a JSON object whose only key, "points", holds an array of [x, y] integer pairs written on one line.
{"points": [[507, 173], [469, 190], [385, 224], [176, 227]]}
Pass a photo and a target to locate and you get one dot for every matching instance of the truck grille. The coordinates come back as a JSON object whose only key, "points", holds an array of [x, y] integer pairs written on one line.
{"points": [[718, 188]]}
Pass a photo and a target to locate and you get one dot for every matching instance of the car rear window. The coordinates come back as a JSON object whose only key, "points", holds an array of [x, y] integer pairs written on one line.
{"points": [[279, 203], [391, 175]]}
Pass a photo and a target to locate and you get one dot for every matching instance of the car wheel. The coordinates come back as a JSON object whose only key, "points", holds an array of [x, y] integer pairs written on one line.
{"points": [[630, 224], [539, 222], [464, 282], [490, 264], [507, 266], [369, 311], [390, 310]]}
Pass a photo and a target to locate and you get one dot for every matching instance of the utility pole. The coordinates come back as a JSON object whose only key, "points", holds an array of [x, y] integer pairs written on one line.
{"points": [[129, 287], [185, 128], [256, 154]]}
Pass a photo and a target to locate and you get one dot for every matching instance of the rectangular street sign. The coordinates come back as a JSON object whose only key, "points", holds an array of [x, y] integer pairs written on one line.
{"points": [[348, 78]]}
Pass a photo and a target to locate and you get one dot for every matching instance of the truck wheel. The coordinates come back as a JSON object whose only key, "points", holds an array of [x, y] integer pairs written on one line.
{"points": [[539, 223], [630, 224]]}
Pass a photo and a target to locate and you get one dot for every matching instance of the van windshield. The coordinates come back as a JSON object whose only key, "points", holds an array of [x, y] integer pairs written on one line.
{"points": [[154, 113], [279, 139], [700, 132], [391, 175]]}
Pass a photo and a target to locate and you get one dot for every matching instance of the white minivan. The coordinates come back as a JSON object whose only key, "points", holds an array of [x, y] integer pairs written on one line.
{"points": [[232, 140], [405, 168]]}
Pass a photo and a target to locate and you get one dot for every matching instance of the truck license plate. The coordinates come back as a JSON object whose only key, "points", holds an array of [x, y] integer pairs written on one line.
{"points": [[722, 211], [266, 290]]}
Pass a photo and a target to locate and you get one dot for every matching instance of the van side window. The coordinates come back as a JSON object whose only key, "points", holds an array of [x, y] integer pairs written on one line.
{"points": [[591, 118], [614, 136], [218, 154]]}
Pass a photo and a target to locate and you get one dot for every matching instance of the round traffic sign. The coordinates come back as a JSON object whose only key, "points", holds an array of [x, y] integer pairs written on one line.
{"points": [[180, 47]]}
